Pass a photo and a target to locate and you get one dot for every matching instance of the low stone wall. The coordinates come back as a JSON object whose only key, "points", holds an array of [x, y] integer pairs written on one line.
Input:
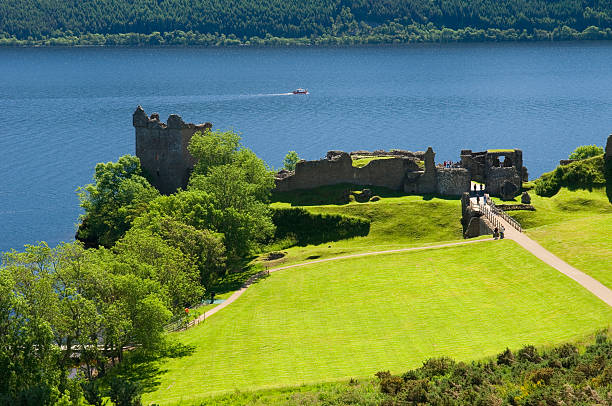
{"points": [[507, 207]]}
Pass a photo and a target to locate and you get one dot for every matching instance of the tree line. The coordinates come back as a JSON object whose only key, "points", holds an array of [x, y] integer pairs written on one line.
{"points": [[312, 22]]}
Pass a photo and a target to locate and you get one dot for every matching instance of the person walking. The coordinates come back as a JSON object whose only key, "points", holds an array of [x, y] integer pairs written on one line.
{"points": [[495, 233], [502, 230]]}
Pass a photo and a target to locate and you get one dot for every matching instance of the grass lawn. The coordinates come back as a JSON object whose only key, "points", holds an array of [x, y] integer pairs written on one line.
{"points": [[585, 243], [355, 317], [395, 222], [360, 162], [566, 205]]}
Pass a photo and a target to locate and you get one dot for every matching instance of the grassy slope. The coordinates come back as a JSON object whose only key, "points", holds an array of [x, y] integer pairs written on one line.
{"points": [[358, 316], [566, 205], [585, 243], [395, 222]]}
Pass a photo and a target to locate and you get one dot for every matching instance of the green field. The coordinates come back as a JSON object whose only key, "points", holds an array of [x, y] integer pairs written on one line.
{"points": [[354, 317]]}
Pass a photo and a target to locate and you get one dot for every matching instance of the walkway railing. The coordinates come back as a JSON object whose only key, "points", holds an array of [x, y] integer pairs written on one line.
{"points": [[490, 210]]}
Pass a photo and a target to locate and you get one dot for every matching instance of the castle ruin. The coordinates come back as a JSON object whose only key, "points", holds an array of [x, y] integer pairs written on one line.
{"points": [[162, 149], [164, 157], [412, 172]]}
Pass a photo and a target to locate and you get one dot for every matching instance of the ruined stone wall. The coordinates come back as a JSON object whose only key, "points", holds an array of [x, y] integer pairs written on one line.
{"points": [[400, 173], [497, 178], [501, 171], [452, 181], [475, 163], [162, 149], [608, 150], [338, 168]]}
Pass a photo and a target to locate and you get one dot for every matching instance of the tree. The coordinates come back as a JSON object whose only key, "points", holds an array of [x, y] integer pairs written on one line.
{"points": [[213, 148], [291, 159], [204, 246], [29, 371], [236, 188], [586, 151], [118, 195], [150, 257]]}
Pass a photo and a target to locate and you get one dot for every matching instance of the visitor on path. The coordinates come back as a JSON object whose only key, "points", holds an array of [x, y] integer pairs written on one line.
{"points": [[212, 297], [502, 230], [495, 233]]}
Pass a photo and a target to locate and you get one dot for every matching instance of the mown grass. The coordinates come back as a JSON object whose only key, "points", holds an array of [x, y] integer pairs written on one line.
{"points": [[352, 318], [395, 222], [360, 162], [566, 205], [585, 243]]}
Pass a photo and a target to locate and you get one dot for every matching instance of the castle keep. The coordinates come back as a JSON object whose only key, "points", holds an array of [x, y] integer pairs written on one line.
{"points": [[162, 149]]}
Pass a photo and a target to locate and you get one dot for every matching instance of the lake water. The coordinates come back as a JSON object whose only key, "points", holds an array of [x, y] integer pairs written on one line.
{"points": [[64, 110]]}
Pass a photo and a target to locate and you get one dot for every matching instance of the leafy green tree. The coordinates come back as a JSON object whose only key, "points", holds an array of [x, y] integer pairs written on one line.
{"points": [[29, 371], [151, 257], [291, 159], [213, 148], [586, 151], [118, 195], [204, 246]]}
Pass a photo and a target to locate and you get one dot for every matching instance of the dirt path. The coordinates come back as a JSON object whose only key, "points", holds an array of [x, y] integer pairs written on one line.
{"points": [[252, 279]]}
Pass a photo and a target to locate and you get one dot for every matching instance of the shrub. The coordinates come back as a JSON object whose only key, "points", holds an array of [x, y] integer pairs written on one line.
{"points": [[584, 174], [437, 366], [505, 358], [124, 392], [586, 151], [528, 354], [309, 228]]}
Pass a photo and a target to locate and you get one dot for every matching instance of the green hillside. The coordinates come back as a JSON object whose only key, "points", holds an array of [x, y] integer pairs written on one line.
{"points": [[232, 22], [355, 317]]}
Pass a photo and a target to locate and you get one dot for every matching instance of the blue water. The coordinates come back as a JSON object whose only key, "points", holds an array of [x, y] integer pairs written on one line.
{"points": [[64, 110]]}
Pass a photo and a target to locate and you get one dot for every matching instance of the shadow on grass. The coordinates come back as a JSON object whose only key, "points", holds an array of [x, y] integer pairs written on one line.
{"points": [[235, 279], [333, 194], [143, 367], [431, 196]]}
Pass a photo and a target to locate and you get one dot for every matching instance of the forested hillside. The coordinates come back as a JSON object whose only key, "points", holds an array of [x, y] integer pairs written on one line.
{"points": [[222, 22]]}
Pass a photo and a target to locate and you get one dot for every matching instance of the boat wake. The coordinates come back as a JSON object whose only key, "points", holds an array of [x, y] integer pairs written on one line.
{"points": [[274, 94]]}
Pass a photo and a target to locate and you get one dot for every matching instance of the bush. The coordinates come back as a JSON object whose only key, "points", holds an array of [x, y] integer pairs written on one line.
{"points": [[308, 228], [526, 380], [124, 392], [584, 174], [586, 151]]}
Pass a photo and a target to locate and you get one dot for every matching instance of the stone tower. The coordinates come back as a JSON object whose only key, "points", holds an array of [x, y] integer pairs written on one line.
{"points": [[162, 149]]}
